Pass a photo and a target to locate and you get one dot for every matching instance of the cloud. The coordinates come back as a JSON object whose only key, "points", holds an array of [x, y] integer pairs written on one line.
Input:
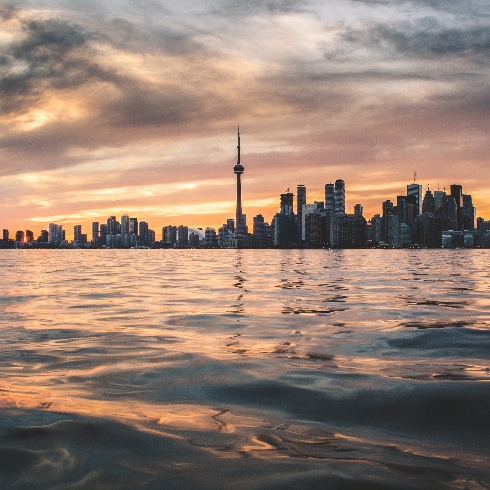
{"points": [[425, 38]]}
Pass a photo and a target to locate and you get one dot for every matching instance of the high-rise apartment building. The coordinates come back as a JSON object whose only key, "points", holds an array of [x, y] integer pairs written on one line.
{"points": [[287, 203], [5, 237], [133, 226], [111, 225], [56, 234], [95, 231], [300, 201], [169, 234], [183, 236], [358, 210], [77, 233], [329, 198], [143, 233], [124, 225], [259, 229]]}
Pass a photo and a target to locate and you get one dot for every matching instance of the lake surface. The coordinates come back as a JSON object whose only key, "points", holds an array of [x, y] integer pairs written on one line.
{"points": [[245, 369]]}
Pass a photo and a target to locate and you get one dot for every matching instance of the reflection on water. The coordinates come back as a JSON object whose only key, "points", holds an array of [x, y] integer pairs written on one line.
{"points": [[245, 369]]}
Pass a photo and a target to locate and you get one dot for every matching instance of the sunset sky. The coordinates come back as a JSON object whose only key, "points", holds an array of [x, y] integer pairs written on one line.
{"points": [[119, 106]]}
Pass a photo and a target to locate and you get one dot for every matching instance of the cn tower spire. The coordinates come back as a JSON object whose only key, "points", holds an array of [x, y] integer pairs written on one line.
{"points": [[238, 169]]}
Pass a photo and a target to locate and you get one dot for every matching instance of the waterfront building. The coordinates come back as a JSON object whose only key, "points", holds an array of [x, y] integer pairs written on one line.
{"points": [[284, 230], [5, 237], [95, 231], [286, 207], [441, 224], [404, 234], [183, 236], [315, 208], [387, 209], [415, 190], [133, 226], [284, 222], [124, 225], [56, 234], [77, 232], [406, 209], [169, 235], [468, 213], [392, 230], [19, 236], [329, 198], [457, 194], [230, 225], [429, 203], [348, 231], [259, 230], [339, 197], [300, 201], [103, 234], [314, 231], [193, 239], [423, 230], [210, 237], [143, 233], [449, 209], [438, 195]]}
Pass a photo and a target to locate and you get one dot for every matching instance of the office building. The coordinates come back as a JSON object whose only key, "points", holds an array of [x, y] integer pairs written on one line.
{"points": [[133, 226], [415, 190], [300, 201], [124, 225], [429, 203], [339, 196]]}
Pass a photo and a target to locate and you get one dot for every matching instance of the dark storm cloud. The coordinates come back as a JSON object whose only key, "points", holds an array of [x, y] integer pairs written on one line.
{"points": [[48, 55], [238, 8], [425, 38]]}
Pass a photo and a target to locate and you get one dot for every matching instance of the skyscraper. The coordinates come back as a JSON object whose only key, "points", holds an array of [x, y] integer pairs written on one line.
{"points": [[429, 203], [457, 193], [329, 198], [124, 225], [287, 203], [300, 201], [133, 226], [468, 213], [238, 169], [339, 196], [77, 232], [95, 230], [416, 191]]}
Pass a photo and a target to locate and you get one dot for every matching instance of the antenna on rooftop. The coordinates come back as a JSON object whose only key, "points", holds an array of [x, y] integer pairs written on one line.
{"points": [[415, 177]]}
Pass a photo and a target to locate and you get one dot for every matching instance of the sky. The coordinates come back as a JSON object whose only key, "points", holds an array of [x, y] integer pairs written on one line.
{"points": [[132, 106]]}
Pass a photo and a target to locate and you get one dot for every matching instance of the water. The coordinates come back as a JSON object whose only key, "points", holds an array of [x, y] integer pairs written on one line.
{"points": [[245, 369]]}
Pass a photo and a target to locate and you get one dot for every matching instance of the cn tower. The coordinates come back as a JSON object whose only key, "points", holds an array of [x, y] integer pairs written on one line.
{"points": [[238, 169]]}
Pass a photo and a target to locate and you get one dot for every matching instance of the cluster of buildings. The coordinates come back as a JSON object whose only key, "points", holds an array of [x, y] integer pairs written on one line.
{"points": [[434, 219]]}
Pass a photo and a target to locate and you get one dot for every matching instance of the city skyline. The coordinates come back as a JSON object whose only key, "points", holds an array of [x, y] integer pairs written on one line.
{"points": [[130, 107]]}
